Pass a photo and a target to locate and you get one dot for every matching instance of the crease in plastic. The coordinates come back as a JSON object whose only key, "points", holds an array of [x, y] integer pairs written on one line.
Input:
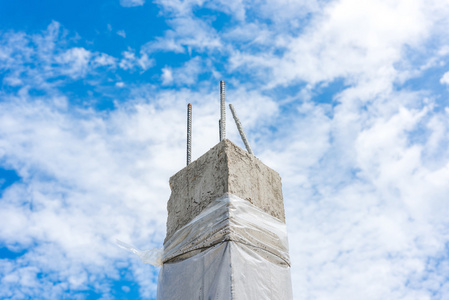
{"points": [[230, 218], [151, 256]]}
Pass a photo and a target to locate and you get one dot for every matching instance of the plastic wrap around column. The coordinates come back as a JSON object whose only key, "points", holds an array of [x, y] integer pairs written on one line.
{"points": [[231, 250]]}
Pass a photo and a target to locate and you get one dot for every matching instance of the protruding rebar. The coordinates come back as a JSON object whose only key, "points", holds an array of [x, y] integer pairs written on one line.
{"points": [[189, 133], [222, 111], [240, 128], [219, 129]]}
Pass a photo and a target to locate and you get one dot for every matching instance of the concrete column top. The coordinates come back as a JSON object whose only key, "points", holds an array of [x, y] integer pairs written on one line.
{"points": [[226, 168]]}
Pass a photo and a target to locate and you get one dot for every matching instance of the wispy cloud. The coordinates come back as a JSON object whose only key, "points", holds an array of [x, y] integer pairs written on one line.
{"points": [[188, 33], [132, 3], [185, 75], [122, 33], [36, 60], [131, 62], [445, 78]]}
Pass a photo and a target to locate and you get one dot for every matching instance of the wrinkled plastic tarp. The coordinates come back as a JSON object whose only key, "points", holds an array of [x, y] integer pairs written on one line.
{"points": [[151, 256], [232, 250]]}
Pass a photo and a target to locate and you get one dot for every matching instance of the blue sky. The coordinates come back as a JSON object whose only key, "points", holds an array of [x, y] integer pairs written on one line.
{"points": [[347, 99]]}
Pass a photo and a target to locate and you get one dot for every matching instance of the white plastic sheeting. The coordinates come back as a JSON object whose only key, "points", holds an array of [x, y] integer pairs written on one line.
{"points": [[151, 256], [232, 250]]}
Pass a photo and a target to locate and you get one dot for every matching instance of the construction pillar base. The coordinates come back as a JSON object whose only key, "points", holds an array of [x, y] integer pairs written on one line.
{"points": [[232, 250]]}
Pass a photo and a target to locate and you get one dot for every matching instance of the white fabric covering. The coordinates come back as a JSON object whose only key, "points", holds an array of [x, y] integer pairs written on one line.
{"points": [[232, 250]]}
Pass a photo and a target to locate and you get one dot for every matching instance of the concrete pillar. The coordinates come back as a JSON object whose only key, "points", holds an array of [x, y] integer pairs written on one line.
{"points": [[226, 235]]}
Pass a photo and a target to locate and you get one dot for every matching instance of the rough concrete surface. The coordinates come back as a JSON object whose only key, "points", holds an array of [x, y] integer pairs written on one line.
{"points": [[225, 168]]}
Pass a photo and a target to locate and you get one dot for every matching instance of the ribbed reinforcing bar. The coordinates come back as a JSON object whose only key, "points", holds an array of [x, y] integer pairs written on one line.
{"points": [[222, 111]]}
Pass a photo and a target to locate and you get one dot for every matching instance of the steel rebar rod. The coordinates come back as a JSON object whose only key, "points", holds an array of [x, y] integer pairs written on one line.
{"points": [[240, 128], [189, 133], [219, 129], [222, 111]]}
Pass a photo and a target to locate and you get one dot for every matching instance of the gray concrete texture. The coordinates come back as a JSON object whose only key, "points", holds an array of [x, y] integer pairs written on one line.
{"points": [[226, 168]]}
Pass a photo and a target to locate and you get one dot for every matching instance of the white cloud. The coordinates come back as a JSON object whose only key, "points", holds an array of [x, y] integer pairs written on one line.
{"points": [[167, 43], [132, 3], [31, 60], [179, 7], [185, 75], [167, 76], [362, 205], [445, 78], [188, 33], [122, 33], [347, 40], [52, 151], [131, 62], [74, 62], [290, 12], [104, 60]]}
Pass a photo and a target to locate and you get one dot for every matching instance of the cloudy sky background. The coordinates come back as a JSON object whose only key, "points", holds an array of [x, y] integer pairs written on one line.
{"points": [[347, 99]]}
